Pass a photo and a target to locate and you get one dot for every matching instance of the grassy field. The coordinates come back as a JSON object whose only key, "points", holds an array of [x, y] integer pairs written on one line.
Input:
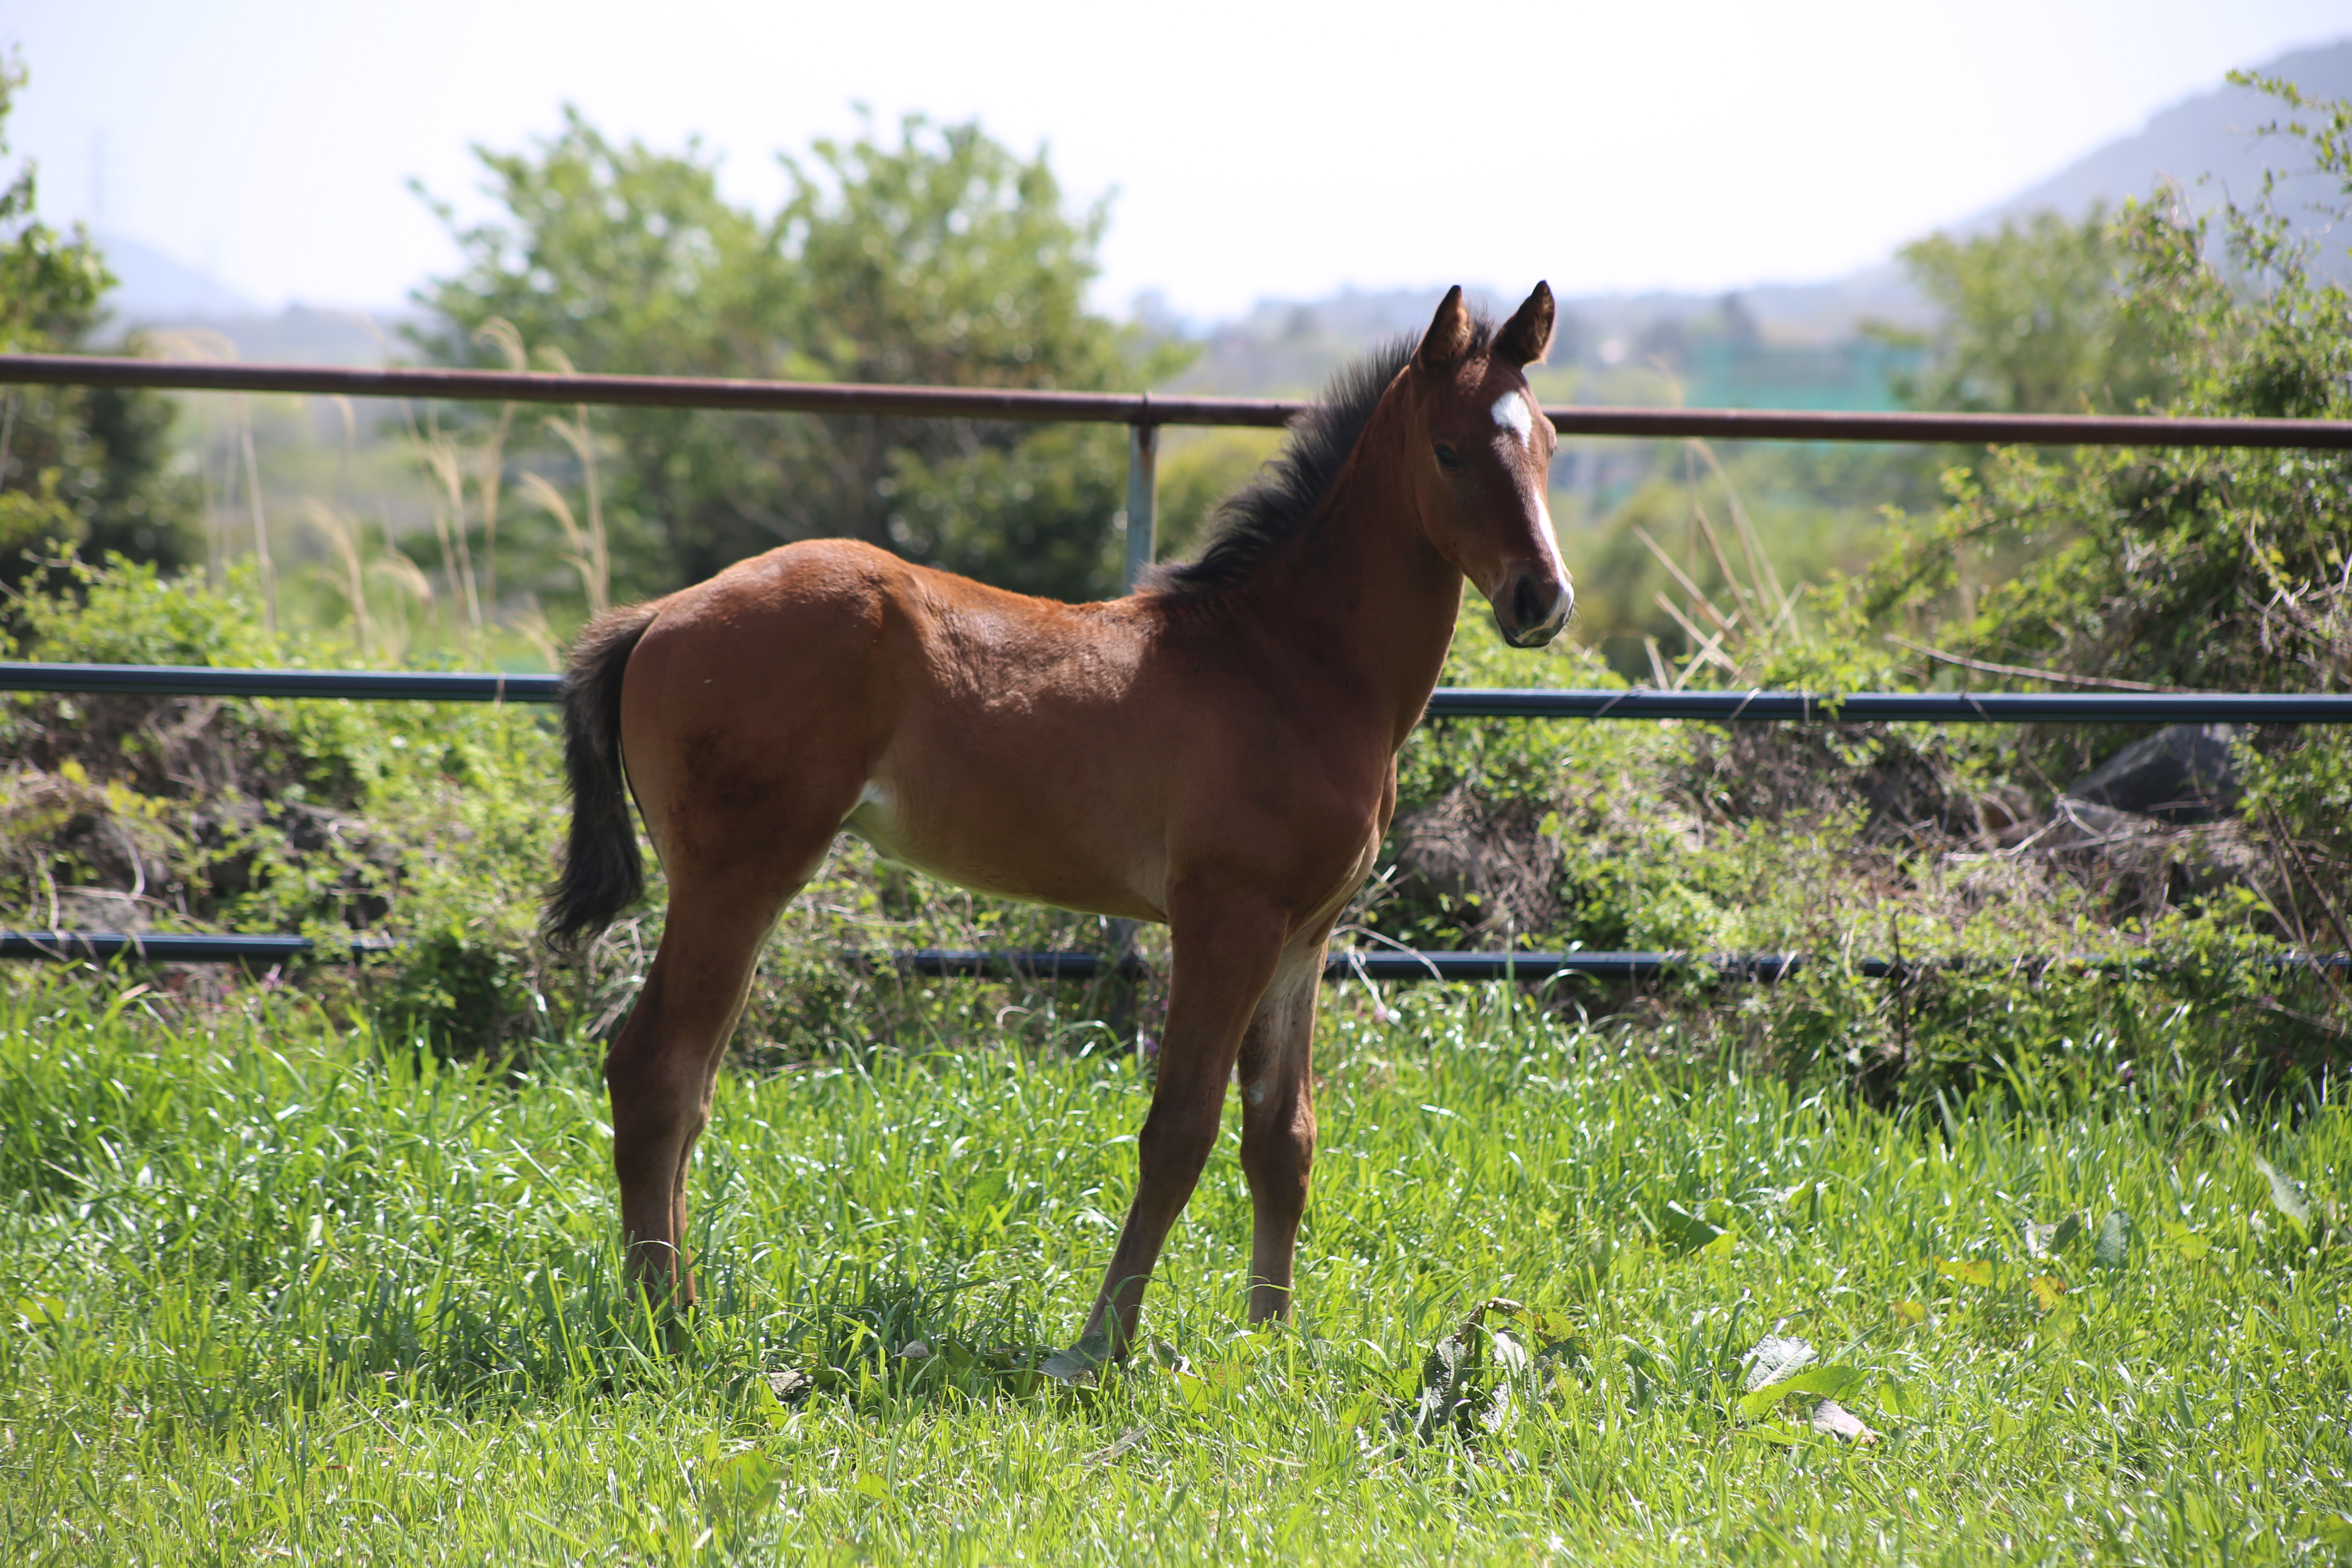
{"points": [[282, 1291]]}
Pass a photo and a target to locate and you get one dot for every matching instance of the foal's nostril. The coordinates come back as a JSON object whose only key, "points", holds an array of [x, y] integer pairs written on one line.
{"points": [[1534, 608], [1531, 606]]}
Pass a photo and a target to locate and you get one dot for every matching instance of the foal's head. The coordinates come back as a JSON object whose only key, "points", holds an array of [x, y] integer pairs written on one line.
{"points": [[1480, 461]]}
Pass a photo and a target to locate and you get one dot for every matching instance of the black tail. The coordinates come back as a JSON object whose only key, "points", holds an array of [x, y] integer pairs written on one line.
{"points": [[603, 873]]}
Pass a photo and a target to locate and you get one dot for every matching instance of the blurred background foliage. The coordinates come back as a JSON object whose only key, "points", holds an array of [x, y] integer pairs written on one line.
{"points": [[936, 256], [90, 465]]}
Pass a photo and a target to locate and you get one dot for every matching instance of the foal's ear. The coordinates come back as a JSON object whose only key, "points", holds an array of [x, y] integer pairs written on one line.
{"points": [[1527, 337], [1449, 335]]}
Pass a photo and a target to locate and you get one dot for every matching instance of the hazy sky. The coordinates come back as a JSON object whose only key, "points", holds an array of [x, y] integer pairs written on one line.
{"points": [[1256, 149]]}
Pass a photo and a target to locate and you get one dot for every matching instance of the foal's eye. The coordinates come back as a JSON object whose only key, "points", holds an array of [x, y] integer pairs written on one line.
{"points": [[1447, 458]]}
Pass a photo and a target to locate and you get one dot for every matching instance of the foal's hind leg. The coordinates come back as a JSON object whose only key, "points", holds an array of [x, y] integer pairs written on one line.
{"points": [[664, 1065], [1279, 1124]]}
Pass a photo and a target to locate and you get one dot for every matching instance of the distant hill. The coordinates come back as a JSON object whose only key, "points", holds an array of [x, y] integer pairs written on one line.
{"points": [[2205, 144], [1795, 345], [300, 334], [155, 288], [158, 295]]}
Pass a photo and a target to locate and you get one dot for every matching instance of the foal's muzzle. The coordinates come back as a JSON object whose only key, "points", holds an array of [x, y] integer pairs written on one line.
{"points": [[1532, 607]]}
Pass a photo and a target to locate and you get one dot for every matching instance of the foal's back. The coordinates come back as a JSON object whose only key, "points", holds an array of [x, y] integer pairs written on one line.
{"points": [[1014, 745]]}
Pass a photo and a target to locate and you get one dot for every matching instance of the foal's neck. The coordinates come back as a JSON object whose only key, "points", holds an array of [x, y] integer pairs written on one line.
{"points": [[1364, 590]]}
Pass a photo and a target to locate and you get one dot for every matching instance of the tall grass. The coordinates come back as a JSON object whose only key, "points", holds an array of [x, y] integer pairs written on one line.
{"points": [[285, 1289]]}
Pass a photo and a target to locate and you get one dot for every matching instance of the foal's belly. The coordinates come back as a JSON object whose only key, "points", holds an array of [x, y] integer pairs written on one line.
{"points": [[1014, 858]]}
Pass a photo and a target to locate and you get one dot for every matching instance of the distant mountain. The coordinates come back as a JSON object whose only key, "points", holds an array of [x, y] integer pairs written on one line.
{"points": [[298, 334], [2206, 144], [166, 297], [1808, 331], [153, 287]]}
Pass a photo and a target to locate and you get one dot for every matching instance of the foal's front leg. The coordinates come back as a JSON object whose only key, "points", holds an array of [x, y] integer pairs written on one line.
{"points": [[1277, 1085], [1225, 952]]}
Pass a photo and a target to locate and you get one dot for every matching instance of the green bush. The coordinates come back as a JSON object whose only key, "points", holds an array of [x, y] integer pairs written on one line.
{"points": [[429, 822]]}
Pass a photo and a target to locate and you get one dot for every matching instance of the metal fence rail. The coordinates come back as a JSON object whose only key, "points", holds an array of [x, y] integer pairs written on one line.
{"points": [[995, 963], [1445, 702], [1143, 409], [1763, 968], [172, 947]]}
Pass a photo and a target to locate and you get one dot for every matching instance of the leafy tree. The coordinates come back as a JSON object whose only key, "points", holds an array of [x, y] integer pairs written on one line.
{"points": [[85, 466], [938, 257], [2034, 322], [2208, 569], [2190, 567]]}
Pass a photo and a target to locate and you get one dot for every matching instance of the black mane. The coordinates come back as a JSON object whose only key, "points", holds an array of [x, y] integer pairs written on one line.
{"points": [[1249, 524]]}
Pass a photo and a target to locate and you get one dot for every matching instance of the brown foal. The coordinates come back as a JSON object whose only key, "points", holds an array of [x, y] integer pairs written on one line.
{"points": [[1216, 751]]}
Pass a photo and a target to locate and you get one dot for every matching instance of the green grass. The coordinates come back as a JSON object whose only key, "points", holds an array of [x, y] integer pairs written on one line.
{"points": [[282, 1291]]}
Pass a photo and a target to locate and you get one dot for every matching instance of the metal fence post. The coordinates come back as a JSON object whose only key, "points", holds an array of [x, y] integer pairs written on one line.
{"points": [[1142, 501], [1142, 543]]}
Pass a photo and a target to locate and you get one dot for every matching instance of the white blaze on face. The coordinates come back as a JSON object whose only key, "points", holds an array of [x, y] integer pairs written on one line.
{"points": [[1550, 539], [1511, 412]]}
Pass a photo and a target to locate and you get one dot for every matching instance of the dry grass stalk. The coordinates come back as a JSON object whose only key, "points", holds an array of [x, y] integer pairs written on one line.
{"points": [[445, 460], [509, 342], [586, 551], [342, 539], [1759, 562], [592, 556]]}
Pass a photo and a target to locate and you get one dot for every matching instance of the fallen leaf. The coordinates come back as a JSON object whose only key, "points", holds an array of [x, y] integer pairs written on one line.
{"points": [[2286, 1193], [2047, 1290], [1126, 1440], [1969, 1271], [1072, 1371], [2047, 1240], [1774, 1359], [1834, 1420], [1821, 1381], [1909, 1314], [2112, 1246]]}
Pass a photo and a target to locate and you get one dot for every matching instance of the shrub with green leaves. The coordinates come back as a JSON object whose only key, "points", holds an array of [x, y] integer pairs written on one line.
{"points": [[430, 822]]}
